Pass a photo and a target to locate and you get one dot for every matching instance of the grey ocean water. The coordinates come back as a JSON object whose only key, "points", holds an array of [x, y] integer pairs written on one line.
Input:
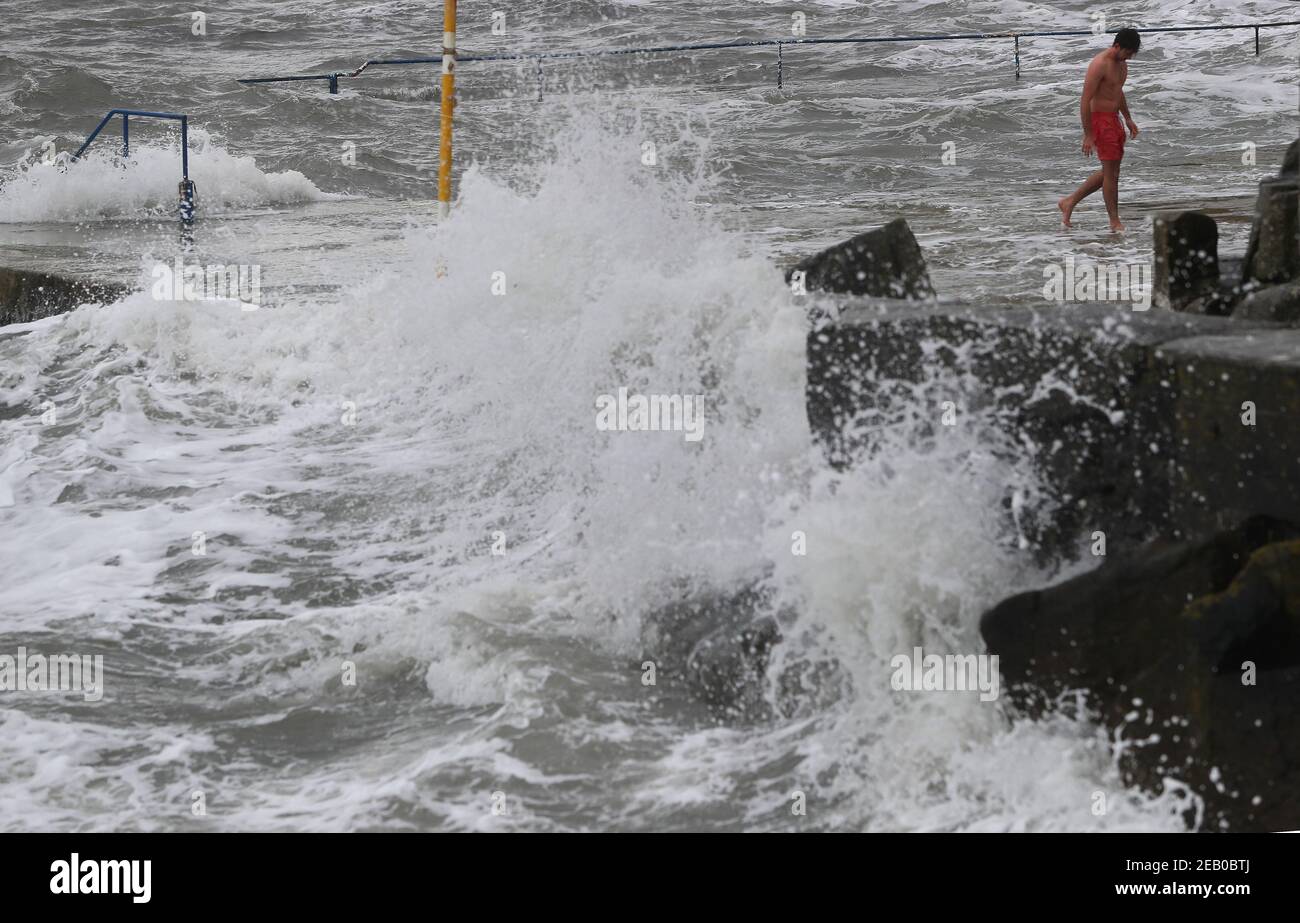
{"points": [[348, 457]]}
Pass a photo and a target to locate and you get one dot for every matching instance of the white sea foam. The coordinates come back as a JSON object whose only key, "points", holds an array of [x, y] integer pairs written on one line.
{"points": [[371, 544], [101, 185], [474, 416]]}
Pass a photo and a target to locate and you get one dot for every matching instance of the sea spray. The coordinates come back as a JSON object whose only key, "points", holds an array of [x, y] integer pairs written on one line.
{"points": [[352, 465], [101, 185]]}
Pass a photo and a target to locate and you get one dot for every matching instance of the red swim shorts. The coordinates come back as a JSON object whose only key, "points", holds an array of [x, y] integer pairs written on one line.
{"points": [[1108, 135]]}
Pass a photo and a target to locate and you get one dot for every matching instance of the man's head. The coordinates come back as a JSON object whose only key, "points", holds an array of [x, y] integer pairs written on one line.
{"points": [[1127, 43]]}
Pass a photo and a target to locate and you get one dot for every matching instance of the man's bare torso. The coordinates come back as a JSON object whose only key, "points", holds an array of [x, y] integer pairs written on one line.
{"points": [[1111, 90]]}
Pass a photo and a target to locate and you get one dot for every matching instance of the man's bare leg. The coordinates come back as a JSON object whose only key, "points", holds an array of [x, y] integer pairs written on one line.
{"points": [[1110, 192], [1067, 204]]}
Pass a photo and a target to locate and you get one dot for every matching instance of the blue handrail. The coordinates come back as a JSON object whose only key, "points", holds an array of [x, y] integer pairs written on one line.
{"points": [[126, 140], [186, 187], [334, 77]]}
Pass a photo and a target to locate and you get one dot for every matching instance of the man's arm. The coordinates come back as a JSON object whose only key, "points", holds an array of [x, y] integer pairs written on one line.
{"points": [[1091, 82], [1123, 108]]}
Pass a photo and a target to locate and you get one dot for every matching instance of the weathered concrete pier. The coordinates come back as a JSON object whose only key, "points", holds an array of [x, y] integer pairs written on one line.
{"points": [[1174, 433], [1142, 423], [29, 296]]}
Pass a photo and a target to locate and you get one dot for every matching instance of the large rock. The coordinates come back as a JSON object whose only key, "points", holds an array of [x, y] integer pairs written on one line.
{"points": [[717, 647], [1275, 303], [727, 668], [1133, 420], [1190, 651], [884, 263], [1229, 404], [1273, 254], [1290, 172], [1291, 160], [718, 650], [28, 296], [1186, 276]]}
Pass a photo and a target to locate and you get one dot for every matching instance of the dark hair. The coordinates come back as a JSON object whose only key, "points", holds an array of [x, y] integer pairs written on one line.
{"points": [[1128, 39]]}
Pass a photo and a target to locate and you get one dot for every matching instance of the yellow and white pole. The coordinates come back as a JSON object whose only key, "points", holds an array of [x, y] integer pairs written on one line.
{"points": [[448, 104]]}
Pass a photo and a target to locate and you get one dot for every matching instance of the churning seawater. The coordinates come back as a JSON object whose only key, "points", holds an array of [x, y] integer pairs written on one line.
{"points": [[349, 457]]}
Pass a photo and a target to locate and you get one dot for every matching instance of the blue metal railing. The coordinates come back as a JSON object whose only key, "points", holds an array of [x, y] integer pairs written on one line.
{"points": [[126, 136], [187, 188], [334, 77]]}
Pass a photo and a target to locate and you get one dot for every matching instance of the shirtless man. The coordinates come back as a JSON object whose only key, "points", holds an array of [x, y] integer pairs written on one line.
{"points": [[1103, 102]]}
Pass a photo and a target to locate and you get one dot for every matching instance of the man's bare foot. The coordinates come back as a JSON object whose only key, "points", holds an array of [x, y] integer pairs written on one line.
{"points": [[1115, 225], [1067, 209]]}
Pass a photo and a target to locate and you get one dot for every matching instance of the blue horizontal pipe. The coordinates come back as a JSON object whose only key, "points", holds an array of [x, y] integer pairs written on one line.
{"points": [[757, 43], [147, 114], [299, 77]]}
